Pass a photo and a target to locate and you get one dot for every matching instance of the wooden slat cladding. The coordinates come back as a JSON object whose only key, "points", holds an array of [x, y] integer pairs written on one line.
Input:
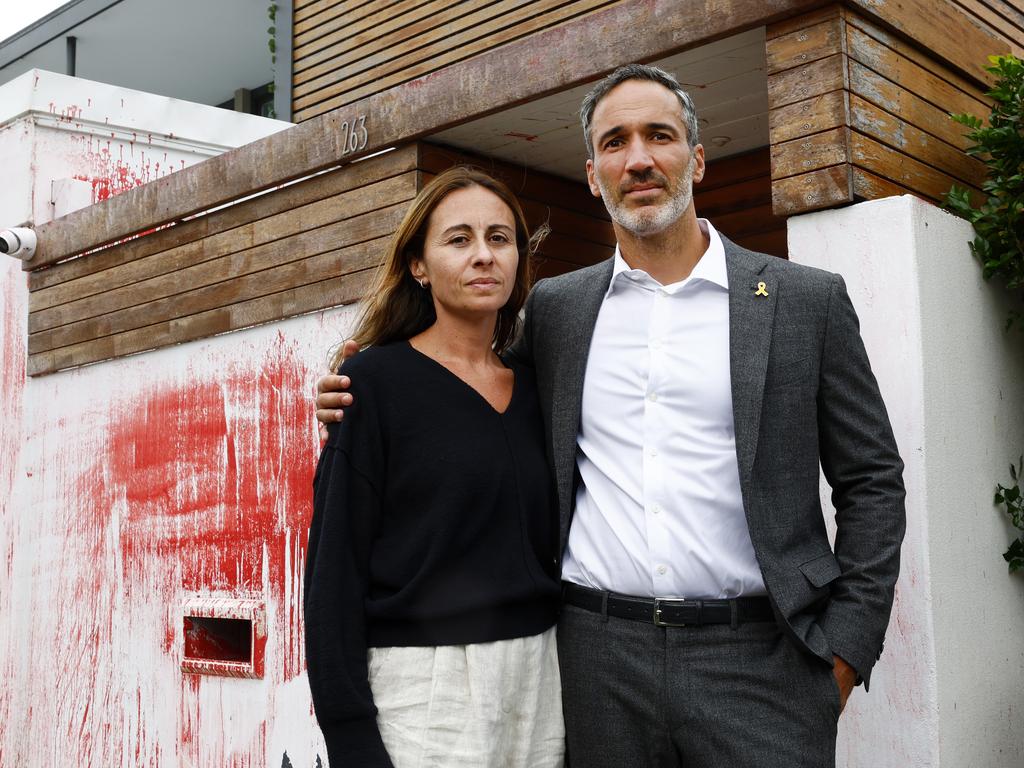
{"points": [[951, 34], [546, 61], [344, 59], [304, 247], [736, 196], [856, 112], [315, 244], [1002, 18]]}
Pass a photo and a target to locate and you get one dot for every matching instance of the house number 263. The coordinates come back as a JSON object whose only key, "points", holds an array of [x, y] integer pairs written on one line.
{"points": [[354, 137]]}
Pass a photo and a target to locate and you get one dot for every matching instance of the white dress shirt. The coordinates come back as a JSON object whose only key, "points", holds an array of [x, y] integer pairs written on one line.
{"points": [[658, 509]]}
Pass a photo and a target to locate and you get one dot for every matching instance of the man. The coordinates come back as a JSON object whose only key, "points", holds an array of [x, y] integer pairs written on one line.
{"points": [[690, 390]]}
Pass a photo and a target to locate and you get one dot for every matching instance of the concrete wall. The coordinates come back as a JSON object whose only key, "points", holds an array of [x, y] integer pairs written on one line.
{"points": [[945, 690], [129, 489], [143, 483], [66, 142]]}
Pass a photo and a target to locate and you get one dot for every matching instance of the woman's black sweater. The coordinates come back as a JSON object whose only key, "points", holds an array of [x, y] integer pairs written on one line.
{"points": [[433, 524]]}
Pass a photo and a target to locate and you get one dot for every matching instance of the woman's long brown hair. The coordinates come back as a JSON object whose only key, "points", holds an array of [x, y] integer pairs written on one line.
{"points": [[398, 308]]}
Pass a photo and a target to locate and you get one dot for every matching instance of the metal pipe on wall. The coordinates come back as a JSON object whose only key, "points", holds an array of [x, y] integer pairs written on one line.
{"points": [[72, 51]]}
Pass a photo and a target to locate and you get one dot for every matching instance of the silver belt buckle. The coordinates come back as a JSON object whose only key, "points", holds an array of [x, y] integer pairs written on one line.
{"points": [[658, 602]]}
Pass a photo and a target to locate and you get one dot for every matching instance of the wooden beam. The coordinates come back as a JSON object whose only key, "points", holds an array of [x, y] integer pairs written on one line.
{"points": [[824, 188], [70, 280], [813, 115], [294, 301], [809, 153], [941, 27], [525, 69]]}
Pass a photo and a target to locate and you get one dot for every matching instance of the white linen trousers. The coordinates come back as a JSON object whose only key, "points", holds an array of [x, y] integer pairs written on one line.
{"points": [[484, 705]]}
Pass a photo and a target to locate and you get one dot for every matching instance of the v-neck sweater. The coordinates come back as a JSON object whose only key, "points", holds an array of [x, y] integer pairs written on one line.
{"points": [[433, 524]]}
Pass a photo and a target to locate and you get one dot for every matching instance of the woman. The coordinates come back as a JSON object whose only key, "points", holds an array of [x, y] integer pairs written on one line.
{"points": [[431, 589]]}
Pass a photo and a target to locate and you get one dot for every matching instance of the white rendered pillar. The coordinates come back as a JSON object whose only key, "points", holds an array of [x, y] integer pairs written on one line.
{"points": [[947, 690]]}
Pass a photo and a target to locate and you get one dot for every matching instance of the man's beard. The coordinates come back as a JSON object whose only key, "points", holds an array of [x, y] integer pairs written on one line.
{"points": [[649, 220]]}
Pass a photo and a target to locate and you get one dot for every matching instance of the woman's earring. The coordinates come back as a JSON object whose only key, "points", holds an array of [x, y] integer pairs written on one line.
{"points": [[423, 283]]}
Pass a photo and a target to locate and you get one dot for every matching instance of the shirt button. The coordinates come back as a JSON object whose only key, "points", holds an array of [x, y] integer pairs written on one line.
{"points": [[653, 397], [661, 570], [656, 509], [655, 344], [652, 453]]}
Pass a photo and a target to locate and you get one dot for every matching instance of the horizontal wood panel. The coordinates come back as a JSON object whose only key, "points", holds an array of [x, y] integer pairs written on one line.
{"points": [[899, 135], [381, 33], [999, 17], [492, 80], [736, 196], [732, 170], [739, 196], [809, 153], [813, 115], [294, 301], [242, 287], [911, 76], [886, 129], [804, 46], [801, 21], [911, 107], [868, 186], [930, 23], [899, 168], [807, 80], [316, 97], [570, 195], [812, 191], [570, 249], [310, 190], [260, 242], [321, 13], [275, 258], [469, 28]]}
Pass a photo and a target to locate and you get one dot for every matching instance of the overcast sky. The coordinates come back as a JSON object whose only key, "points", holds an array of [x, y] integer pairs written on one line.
{"points": [[18, 14]]}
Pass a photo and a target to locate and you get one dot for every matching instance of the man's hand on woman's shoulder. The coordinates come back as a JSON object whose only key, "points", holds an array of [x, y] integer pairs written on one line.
{"points": [[331, 395]]}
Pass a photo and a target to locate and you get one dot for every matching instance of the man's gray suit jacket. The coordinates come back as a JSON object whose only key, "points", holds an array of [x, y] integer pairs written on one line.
{"points": [[803, 393]]}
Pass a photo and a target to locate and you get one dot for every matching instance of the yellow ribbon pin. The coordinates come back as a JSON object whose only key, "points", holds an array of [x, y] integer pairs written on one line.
{"points": [[762, 289]]}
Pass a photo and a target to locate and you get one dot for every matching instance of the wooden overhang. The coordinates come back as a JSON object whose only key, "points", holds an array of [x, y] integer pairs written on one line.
{"points": [[296, 222], [524, 69]]}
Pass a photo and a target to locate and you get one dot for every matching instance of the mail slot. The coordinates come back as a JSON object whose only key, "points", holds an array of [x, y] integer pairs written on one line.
{"points": [[224, 636]]}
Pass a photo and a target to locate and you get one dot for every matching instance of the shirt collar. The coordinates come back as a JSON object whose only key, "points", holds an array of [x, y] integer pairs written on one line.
{"points": [[710, 267]]}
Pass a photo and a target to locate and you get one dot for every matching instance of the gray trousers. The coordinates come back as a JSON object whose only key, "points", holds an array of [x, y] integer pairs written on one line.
{"points": [[640, 696]]}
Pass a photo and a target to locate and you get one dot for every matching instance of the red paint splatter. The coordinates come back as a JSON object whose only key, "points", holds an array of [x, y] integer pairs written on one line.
{"points": [[215, 478], [13, 329], [109, 175], [524, 136]]}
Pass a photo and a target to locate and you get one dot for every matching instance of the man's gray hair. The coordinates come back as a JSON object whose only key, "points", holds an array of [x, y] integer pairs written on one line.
{"points": [[639, 72]]}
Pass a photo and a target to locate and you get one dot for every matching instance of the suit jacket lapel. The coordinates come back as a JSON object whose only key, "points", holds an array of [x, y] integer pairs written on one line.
{"points": [[582, 303], [751, 317]]}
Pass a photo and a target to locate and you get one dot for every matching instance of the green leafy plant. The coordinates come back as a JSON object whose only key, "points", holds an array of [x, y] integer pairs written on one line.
{"points": [[1011, 497], [999, 219], [272, 45], [999, 225]]}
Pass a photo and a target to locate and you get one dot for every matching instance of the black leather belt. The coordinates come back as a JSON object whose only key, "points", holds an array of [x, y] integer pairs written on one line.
{"points": [[669, 612]]}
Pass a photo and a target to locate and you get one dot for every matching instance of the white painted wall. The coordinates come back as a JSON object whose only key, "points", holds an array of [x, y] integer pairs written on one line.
{"points": [[129, 486], [66, 142], [947, 690], [124, 504]]}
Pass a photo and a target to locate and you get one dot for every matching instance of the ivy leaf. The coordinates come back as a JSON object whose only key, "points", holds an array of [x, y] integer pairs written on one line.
{"points": [[1015, 555]]}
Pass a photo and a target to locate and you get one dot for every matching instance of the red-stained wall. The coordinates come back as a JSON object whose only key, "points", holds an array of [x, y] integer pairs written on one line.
{"points": [[146, 482]]}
